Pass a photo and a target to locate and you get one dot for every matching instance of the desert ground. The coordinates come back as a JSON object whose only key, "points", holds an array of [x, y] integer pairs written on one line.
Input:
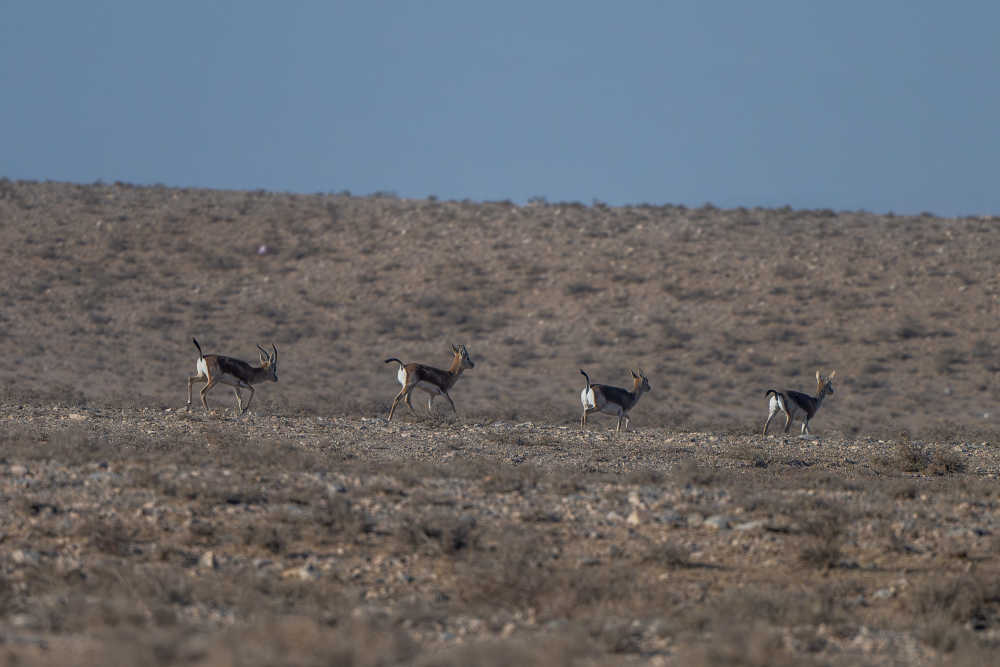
{"points": [[312, 531]]}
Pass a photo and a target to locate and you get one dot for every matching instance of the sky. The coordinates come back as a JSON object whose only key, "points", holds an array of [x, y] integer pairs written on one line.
{"points": [[879, 106]]}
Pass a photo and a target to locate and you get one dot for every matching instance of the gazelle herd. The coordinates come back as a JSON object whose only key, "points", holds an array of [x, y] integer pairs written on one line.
{"points": [[213, 369]]}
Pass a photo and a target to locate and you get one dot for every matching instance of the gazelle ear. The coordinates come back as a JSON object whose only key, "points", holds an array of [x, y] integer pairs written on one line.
{"points": [[454, 348], [818, 377], [832, 375], [633, 373]]}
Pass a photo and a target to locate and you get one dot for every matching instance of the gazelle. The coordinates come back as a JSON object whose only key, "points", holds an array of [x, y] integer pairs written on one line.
{"points": [[612, 400], [215, 368], [427, 378], [795, 404]]}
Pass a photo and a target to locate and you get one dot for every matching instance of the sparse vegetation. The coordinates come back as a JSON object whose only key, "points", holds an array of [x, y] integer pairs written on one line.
{"points": [[312, 532]]}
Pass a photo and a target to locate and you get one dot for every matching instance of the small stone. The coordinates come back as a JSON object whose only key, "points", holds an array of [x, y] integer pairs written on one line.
{"points": [[751, 525], [24, 557], [307, 572], [717, 522], [633, 518], [208, 561]]}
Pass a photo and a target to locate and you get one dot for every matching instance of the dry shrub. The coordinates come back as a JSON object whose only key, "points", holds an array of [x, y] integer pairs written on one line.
{"points": [[908, 456], [916, 457], [513, 570], [952, 611], [826, 531], [438, 533], [668, 554], [554, 652]]}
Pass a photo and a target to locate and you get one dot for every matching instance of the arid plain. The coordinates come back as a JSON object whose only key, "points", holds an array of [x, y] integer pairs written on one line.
{"points": [[312, 531]]}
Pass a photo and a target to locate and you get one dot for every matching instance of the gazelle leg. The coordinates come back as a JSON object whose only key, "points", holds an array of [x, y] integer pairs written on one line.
{"points": [[770, 416], [805, 425], [239, 401], [204, 390], [395, 402], [788, 421], [404, 393], [191, 381], [430, 401], [445, 394], [249, 400]]}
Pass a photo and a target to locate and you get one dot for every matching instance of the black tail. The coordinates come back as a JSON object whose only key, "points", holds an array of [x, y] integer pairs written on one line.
{"points": [[396, 360], [200, 354], [586, 376]]}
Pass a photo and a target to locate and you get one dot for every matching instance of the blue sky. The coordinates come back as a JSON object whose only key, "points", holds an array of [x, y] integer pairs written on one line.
{"points": [[882, 106]]}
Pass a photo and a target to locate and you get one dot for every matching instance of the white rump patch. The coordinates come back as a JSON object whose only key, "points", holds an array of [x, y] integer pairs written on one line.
{"points": [[401, 376], [587, 397], [201, 367]]}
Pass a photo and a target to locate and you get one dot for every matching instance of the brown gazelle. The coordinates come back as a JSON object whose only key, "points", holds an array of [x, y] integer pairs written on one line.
{"points": [[795, 404], [427, 378], [238, 374], [612, 400]]}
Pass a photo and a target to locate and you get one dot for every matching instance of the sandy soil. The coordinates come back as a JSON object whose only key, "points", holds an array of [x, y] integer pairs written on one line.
{"points": [[313, 532]]}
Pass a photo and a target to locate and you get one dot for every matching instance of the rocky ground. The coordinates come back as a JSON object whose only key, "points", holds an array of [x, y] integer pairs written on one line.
{"points": [[162, 537], [313, 532]]}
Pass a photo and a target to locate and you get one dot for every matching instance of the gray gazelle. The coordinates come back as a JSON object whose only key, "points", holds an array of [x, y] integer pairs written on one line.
{"points": [[434, 381], [612, 400], [238, 374], [795, 404]]}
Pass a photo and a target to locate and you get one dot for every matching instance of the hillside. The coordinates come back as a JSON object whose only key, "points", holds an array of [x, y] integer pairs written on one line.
{"points": [[314, 532], [104, 285]]}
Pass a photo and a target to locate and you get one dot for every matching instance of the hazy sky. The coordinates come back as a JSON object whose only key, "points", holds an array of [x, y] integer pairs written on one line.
{"points": [[877, 105]]}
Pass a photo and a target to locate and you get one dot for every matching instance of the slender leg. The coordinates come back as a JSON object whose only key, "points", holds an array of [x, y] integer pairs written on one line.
{"points": [[404, 394], [191, 381], [430, 400], [249, 400], [395, 402], [239, 401], [788, 421], [204, 391], [445, 394], [768, 422], [805, 425]]}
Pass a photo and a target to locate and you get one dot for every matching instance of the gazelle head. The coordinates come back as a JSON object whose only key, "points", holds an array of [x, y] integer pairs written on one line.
{"points": [[462, 357], [824, 387], [641, 382], [269, 361]]}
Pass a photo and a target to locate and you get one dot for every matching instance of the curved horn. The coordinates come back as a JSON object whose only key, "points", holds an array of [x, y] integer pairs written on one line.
{"points": [[275, 357], [263, 351]]}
